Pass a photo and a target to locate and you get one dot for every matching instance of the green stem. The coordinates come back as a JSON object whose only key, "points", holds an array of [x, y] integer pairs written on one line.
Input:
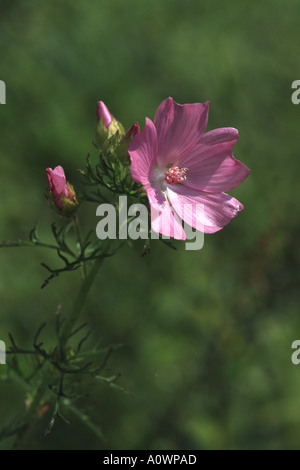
{"points": [[68, 327], [77, 230], [80, 299]]}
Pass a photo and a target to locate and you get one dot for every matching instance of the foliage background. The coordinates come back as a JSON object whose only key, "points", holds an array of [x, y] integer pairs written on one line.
{"points": [[207, 334]]}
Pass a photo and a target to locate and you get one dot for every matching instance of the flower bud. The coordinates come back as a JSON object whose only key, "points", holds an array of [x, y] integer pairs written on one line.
{"points": [[62, 193], [122, 150], [107, 125], [102, 112], [134, 130]]}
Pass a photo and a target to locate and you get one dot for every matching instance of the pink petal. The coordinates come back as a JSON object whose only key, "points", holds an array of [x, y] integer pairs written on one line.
{"points": [[218, 136], [143, 153], [216, 139], [211, 164], [217, 209], [163, 218], [179, 128]]}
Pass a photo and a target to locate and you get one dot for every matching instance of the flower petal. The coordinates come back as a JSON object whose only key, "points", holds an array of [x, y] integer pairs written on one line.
{"points": [[207, 212], [220, 135], [179, 128], [163, 218], [143, 154], [211, 164]]}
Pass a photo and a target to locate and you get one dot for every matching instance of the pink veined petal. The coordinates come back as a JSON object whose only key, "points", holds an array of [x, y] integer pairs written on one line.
{"points": [[217, 174], [207, 212], [163, 218], [211, 164], [220, 135], [179, 128], [208, 143], [143, 154]]}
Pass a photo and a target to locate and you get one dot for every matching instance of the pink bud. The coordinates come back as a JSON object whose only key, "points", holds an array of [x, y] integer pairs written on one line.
{"points": [[103, 112], [62, 193], [107, 125], [134, 130]]}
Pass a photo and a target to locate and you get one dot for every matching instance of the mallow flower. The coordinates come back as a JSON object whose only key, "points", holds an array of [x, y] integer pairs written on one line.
{"points": [[185, 171], [62, 193]]}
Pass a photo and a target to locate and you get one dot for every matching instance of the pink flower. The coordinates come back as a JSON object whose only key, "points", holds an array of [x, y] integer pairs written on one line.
{"points": [[182, 168], [62, 192]]}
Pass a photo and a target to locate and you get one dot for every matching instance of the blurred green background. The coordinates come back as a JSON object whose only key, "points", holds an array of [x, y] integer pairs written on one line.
{"points": [[207, 334]]}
